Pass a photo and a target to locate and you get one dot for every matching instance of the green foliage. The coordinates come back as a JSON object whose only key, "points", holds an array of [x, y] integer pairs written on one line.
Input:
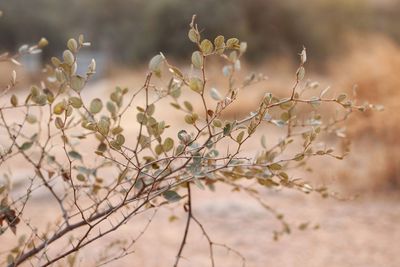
{"points": [[128, 175]]}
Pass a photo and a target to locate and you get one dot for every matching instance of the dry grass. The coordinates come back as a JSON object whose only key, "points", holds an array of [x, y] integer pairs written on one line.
{"points": [[373, 67]]}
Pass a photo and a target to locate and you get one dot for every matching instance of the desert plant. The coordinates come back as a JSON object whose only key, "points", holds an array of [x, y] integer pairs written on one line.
{"points": [[82, 158]]}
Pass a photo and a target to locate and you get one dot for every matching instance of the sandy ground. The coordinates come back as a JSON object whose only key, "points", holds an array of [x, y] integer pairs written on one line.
{"points": [[359, 233]]}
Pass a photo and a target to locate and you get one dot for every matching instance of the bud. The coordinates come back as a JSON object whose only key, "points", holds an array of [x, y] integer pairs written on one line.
{"points": [[92, 66], [303, 56], [306, 188], [42, 42], [14, 77]]}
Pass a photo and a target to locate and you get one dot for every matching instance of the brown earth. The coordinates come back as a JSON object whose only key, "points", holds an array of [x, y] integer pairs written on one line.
{"points": [[359, 233]]}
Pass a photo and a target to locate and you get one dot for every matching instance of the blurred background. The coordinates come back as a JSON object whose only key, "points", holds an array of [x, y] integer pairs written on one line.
{"points": [[350, 44], [130, 31]]}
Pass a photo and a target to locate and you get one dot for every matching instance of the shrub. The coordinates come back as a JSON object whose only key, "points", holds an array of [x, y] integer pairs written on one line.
{"points": [[82, 157]]}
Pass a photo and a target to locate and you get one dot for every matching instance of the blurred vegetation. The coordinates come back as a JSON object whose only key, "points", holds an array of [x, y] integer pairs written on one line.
{"points": [[130, 31]]}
